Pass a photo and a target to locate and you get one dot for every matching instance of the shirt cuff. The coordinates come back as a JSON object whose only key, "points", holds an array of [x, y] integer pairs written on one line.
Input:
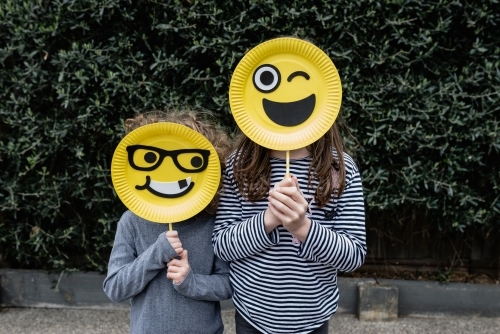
{"points": [[167, 251], [183, 286], [270, 239], [306, 248]]}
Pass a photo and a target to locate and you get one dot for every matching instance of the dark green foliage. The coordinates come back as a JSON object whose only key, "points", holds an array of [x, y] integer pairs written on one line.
{"points": [[421, 85]]}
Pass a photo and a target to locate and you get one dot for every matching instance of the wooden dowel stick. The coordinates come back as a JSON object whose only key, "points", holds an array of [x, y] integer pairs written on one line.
{"points": [[287, 173]]}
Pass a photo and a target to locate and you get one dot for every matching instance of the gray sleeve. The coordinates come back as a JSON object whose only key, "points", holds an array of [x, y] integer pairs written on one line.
{"points": [[128, 273], [214, 287]]}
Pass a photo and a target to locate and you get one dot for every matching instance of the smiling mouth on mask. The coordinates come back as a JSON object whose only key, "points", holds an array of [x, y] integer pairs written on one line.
{"points": [[167, 189], [289, 113]]}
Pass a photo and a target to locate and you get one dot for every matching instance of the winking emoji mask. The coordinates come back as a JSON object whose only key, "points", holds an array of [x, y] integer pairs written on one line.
{"points": [[285, 93]]}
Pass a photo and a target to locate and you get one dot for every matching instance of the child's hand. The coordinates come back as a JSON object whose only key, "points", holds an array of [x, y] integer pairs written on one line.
{"points": [[288, 204], [270, 221], [177, 270], [173, 239]]}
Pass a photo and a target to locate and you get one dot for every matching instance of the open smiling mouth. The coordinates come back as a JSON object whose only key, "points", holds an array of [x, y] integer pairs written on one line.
{"points": [[167, 189], [289, 113]]}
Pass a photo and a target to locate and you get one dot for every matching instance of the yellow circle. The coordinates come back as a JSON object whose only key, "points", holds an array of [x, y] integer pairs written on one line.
{"points": [[285, 94], [165, 172]]}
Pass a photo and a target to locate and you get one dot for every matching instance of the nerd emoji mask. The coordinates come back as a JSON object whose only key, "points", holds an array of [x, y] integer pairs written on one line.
{"points": [[165, 172]]}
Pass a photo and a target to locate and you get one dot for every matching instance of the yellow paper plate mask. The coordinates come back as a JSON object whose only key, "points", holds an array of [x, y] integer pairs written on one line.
{"points": [[165, 172], [285, 94]]}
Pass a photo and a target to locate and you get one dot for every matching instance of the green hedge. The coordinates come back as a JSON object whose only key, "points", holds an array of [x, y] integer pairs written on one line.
{"points": [[421, 85]]}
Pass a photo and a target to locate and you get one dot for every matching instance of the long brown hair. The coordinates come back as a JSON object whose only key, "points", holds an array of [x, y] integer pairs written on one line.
{"points": [[203, 122], [252, 167]]}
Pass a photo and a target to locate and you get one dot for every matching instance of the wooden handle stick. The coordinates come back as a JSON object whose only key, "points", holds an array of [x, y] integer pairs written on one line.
{"points": [[287, 173]]}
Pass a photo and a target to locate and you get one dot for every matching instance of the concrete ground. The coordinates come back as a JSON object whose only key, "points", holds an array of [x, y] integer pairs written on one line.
{"points": [[67, 321]]}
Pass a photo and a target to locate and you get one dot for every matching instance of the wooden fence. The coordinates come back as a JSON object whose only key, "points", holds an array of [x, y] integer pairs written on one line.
{"points": [[424, 247]]}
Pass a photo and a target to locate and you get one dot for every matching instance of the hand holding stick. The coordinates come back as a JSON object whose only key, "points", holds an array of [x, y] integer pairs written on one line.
{"points": [[173, 239], [177, 269], [287, 203]]}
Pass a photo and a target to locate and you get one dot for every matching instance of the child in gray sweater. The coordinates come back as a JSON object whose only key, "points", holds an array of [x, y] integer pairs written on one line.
{"points": [[169, 291]]}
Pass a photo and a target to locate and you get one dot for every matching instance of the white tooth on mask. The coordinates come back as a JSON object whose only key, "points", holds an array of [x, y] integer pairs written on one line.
{"points": [[170, 188]]}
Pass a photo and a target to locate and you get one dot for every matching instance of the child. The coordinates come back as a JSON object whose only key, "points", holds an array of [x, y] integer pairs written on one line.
{"points": [[286, 238], [187, 301]]}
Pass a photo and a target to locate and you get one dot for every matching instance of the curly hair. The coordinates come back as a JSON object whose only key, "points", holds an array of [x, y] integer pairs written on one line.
{"points": [[203, 122]]}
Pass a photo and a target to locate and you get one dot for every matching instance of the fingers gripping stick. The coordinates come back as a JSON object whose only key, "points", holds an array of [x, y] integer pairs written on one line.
{"points": [[178, 268], [170, 229], [288, 204], [173, 238]]}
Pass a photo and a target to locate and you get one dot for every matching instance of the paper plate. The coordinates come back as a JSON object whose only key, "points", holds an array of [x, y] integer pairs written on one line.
{"points": [[165, 172], [285, 94]]}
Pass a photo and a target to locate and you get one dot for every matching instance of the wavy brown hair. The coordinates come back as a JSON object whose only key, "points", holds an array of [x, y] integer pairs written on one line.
{"points": [[252, 167], [203, 122]]}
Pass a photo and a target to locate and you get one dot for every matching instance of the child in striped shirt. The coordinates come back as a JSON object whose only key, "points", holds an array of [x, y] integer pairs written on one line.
{"points": [[286, 238]]}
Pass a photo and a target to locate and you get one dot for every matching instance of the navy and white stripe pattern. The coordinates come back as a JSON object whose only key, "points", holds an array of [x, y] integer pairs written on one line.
{"points": [[282, 286]]}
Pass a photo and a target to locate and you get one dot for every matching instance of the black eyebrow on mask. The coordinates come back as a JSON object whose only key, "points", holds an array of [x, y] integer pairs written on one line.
{"points": [[297, 73]]}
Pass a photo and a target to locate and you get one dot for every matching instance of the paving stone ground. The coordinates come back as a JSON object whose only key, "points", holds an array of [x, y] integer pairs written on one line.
{"points": [[78, 321]]}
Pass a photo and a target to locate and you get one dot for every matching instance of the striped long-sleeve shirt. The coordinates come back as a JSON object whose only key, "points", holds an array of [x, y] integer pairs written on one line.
{"points": [[282, 285]]}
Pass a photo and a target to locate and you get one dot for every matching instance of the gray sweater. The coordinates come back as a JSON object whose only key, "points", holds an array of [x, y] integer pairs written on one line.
{"points": [[137, 270]]}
